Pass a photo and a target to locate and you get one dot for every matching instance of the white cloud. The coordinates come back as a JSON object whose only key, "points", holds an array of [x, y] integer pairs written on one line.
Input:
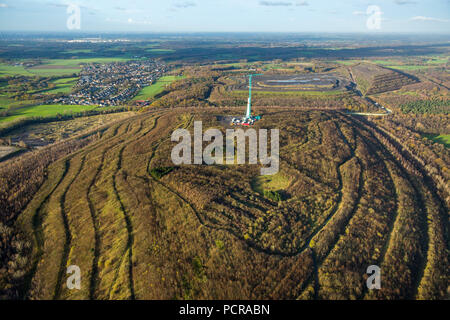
{"points": [[185, 4], [283, 3], [403, 2], [132, 21], [3, 5], [363, 13], [275, 4], [422, 18], [129, 11]]}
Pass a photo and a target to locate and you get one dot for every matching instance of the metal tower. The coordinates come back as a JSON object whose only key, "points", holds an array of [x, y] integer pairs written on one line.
{"points": [[249, 106]]}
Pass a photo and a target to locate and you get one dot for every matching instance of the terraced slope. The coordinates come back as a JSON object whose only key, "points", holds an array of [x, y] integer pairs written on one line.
{"points": [[201, 232], [372, 79]]}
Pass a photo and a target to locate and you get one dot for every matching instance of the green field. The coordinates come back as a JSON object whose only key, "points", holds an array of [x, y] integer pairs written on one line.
{"points": [[8, 103], [276, 182], [65, 80], [4, 102], [151, 91], [62, 86], [409, 68], [78, 51], [54, 67], [383, 62], [160, 51], [77, 62], [43, 111], [439, 138], [46, 72], [408, 93], [8, 70], [348, 62], [237, 64], [437, 60], [393, 64]]}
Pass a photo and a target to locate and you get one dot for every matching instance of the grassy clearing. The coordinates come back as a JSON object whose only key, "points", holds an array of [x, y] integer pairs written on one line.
{"points": [[8, 70], [409, 68], [5, 102], [277, 182], [160, 51], [61, 67], [383, 62], [158, 173], [408, 93], [50, 72], [153, 90], [78, 62], [437, 60], [8, 103], [348, 62], [64, 80], [439, 138], [44, 111], [62, 86], [78, 51], [237, 64]]}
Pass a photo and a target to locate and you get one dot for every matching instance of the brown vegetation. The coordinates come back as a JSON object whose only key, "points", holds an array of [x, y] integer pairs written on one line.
{"points": [[201, 232]]}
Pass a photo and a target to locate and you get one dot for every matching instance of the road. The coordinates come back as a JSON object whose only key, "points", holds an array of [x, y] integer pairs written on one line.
{"points": [[353, 87]]}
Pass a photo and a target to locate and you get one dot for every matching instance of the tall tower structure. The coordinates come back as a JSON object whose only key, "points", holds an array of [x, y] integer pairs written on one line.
{"points": [[249, 105]]}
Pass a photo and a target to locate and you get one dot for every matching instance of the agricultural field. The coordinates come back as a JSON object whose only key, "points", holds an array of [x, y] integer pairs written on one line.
{"points": [[7, 103], [160, 51], [53, 67], [9, 70], [63, 85], [77, 51], [104, 209], [43, 111], [54, 70], [64, 67], [156, 88]]}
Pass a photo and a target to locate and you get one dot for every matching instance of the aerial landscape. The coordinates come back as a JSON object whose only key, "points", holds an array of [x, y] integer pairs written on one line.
{"points": [[359, 134]]}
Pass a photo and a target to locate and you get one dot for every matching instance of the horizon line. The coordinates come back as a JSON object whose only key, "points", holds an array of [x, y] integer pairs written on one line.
{"points": [[75, 32]]}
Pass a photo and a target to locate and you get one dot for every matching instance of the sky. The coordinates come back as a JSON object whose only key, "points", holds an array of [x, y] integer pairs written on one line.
{"points": [[392, 16]]}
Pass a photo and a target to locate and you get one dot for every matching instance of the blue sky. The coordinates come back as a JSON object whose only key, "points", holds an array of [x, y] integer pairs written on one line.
{"points": [[411, 16]]}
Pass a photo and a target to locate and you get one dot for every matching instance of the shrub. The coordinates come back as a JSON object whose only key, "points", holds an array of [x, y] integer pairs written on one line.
{"points": [[158, 173], [273, 195]]}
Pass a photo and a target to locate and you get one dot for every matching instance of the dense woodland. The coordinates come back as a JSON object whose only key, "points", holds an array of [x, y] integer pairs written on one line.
{"points": [[427, 106]]}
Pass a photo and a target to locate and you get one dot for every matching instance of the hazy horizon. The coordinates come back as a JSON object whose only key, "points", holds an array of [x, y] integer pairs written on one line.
{"points": [[200, 16]]}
